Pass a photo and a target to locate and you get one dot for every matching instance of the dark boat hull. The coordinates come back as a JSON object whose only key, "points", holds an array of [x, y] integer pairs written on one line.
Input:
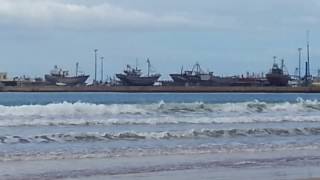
{"points": [[278, 80], [9, 83], [70, 81], [194, 80], [137, 81]]}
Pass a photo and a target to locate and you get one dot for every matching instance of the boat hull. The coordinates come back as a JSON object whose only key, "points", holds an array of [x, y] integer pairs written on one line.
{"points": [[137, 81], [70, 81], [195, 80], [9, 83], [278, 80]]}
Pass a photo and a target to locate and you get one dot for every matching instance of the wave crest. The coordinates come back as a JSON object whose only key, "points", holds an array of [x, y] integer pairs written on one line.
{"points": [[80, 113]]}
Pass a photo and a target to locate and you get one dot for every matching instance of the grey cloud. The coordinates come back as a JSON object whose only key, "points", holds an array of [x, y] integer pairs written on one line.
{"points": [[39, 13], [161, 15]]}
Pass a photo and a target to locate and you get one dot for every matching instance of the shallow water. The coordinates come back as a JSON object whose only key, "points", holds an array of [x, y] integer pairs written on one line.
{"points": [[276, 136]]}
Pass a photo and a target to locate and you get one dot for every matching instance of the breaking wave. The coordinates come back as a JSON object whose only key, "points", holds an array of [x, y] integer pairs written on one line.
{"points": [[192, 134], [80, 113]]}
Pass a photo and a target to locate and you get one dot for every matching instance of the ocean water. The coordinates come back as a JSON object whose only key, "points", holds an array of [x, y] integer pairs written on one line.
{"points": [[159, 136]]}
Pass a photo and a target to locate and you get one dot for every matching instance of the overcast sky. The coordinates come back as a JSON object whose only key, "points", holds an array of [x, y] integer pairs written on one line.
{"points": [[228, 37]]}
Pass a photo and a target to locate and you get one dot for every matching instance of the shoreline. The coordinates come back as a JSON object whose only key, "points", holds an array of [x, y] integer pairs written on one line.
{"points": [[162, 89]]}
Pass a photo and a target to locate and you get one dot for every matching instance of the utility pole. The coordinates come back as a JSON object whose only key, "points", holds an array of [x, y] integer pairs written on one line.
{"points": [[95, 65], [299, 49], [102, 69]]}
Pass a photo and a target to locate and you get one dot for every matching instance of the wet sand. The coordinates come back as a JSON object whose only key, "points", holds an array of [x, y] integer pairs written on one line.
{"points": [[262, 165]]}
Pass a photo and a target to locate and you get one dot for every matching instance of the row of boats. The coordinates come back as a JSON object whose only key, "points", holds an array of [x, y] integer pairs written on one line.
{"points": [[194, 77]]}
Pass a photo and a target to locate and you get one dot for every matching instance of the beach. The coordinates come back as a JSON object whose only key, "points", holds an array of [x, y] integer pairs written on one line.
{"points": [[159, 136], [276, 165]]}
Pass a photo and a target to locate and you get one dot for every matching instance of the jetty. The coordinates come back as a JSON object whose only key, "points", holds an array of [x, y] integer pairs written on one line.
{"points": [[163, 89]]}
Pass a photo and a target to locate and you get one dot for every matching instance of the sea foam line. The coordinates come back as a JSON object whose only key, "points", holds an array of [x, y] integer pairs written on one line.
{"points": [[191, 134]]}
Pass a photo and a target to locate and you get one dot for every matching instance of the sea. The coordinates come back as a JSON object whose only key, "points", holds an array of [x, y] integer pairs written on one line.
{"points": [[159, 136]]}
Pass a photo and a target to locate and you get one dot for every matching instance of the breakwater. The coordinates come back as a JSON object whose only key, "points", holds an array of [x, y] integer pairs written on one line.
{"points": [[162, 89]]}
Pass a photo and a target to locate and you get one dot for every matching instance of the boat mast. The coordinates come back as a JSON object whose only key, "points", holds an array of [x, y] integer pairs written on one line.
{"points": [[274, 59], [198, 68], [149, 65], [77, 69], [136, 64]]}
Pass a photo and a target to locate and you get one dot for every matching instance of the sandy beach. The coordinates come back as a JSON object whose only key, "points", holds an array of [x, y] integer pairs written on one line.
{"points": [[226, 166]]}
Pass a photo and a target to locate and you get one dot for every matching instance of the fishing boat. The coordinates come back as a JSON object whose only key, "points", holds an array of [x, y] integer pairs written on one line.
{"points": [[134, 77], [59, 76], [277, 76]]}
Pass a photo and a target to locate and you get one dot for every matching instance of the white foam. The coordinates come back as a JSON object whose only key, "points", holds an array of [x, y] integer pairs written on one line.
{"points": [[198, 112], [131, 135]]}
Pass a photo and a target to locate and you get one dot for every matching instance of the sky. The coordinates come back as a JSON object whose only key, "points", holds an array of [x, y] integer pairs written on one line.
{"points": [[229, 37]]}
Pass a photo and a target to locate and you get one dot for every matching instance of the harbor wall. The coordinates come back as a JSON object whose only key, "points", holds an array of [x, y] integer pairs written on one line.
{"points": [[162, 89]]}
